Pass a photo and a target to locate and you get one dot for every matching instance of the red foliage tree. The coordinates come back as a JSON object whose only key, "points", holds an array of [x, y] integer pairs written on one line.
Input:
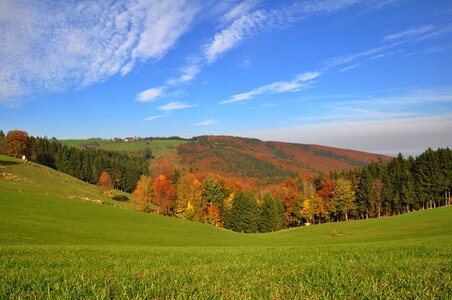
{"points": [[17, 143]]}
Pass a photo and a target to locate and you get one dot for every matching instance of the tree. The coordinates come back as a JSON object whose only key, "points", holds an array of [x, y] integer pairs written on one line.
{"points": [[2, 142], [344, 196], [17, 143], [144, 193], [213, 215], [189, 202], [164, 194], [363, 195], [105, 183], [245, 213], [272, 214]]}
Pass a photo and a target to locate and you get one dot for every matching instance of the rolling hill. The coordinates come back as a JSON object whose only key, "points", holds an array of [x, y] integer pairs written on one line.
{"points": [[264, 163], [53, 245]]}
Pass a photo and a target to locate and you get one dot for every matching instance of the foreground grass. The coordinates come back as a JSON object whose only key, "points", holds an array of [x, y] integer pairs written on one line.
{"points": [[53, 246], [364, 271]]}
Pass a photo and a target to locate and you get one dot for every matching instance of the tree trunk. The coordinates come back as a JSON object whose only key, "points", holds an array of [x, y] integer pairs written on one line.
{"points": [[346, 217]]}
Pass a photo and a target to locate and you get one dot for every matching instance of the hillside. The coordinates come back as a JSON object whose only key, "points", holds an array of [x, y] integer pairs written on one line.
{"points": [[265, 163], [34, 181], [55, 246], [157, 147]]}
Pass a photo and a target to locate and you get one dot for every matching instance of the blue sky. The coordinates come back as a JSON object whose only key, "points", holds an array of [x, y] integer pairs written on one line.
{"points": [[367, 75]]}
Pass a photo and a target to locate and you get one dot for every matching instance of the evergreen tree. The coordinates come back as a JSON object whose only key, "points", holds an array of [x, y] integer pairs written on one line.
{"points": [[272, 215], [244, 213], [364, 194]]}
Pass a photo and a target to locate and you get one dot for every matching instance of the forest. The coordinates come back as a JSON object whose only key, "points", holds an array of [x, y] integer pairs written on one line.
{"points": [[379, 189]]}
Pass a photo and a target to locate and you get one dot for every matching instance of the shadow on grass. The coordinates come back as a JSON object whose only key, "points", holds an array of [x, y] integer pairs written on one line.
{"points": [[120, 198], [8, 163]]}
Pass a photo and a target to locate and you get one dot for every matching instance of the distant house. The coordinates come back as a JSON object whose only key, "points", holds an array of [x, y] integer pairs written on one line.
{"points": [[129, 139]]}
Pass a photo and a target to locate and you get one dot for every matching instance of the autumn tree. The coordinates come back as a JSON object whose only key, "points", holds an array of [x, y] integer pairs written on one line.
{"points": [[213, 215], [17, 143], [164, 194], [189, 203], [144, 193], [105, 183], [344, 196]]}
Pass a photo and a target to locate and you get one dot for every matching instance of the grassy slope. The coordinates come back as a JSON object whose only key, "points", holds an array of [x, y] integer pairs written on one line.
{"points": [[52, 246], [158, 147]]}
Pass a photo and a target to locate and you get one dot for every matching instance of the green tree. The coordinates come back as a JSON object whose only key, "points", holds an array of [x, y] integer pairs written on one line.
{"points": [[244, 213], [272, 214], [364, 194]]}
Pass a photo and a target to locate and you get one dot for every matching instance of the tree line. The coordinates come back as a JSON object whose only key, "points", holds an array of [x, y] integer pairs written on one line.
{"points": [[378, 189]]}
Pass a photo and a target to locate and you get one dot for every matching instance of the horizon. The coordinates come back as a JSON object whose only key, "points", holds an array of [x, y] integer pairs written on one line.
{"points": [[369, 76]]}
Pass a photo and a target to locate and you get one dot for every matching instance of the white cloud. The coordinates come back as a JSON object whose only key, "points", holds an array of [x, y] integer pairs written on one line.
{"points": [[54, 46], [150, 94], [188, 73], [408, 33], [175, 106], [231, 36], [240, 9], [275, 87], [152, 118], [206, 123]]}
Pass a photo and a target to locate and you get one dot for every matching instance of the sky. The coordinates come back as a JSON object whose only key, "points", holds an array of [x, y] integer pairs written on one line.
{"points": [[371, 75]]}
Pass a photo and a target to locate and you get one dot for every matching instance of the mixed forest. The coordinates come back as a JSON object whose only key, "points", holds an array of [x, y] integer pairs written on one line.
{"points": [[382, 187]]}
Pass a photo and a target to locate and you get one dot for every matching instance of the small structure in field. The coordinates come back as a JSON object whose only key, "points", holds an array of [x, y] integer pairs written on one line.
{"points": [[129, 139]]}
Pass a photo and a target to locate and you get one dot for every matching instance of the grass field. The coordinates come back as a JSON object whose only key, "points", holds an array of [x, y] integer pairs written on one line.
{"points": [[158, 147], [56, 246]]}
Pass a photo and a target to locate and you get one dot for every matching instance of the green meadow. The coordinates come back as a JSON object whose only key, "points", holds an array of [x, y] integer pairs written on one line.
{"points": [[60, 238], [158, 147]]}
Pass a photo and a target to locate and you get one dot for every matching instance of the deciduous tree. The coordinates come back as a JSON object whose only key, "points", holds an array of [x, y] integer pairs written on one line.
{"points": [[17, 143], [105, 184], [144, 193]]}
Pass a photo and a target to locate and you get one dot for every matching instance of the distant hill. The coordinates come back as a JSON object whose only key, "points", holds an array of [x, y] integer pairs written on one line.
{"points": [[264, 163]]}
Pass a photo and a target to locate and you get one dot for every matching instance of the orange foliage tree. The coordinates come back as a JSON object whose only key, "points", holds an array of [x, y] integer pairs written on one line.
{"points": [[164, 194], [105, 184], [213, 216], [144, 193]]}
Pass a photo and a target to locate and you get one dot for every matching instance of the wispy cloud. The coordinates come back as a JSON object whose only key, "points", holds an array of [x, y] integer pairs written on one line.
{"points": [[150, 95], [414, 32], [152, 118], [231, 36], [45, 48], [240, 9], [187, 73], [206, 122], [275, 88], [175, 106]]}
